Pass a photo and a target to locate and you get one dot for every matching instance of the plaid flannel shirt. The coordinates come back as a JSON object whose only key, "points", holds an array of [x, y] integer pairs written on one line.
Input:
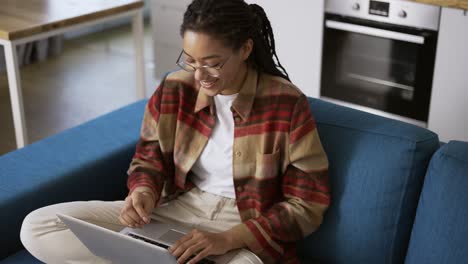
{"points": [[280, 170]]}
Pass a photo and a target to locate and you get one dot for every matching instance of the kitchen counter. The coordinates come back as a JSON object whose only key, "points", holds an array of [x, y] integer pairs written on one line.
{"points": [[462, 4]]}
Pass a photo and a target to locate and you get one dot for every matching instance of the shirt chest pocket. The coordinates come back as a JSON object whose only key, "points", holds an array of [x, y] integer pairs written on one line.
{"points": [[267, 165]]}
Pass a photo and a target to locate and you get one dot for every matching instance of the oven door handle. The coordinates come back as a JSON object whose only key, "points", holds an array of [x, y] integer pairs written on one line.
{"points": [[376, 32]]}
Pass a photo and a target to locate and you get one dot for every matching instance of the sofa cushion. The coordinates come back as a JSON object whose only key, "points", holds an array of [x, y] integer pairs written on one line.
{"points": [[22, 257], [377, 166], [82, 163], [440, 230]]}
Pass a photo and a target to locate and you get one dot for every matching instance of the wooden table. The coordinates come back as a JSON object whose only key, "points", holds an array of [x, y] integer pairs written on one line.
{"points": [[23, 21]]}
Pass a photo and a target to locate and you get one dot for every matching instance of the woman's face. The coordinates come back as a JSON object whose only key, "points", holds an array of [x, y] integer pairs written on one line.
{"points": [[203, 50]]}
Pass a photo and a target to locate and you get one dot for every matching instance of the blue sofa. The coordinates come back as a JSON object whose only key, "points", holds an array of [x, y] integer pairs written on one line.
{"points": [[398, 195]]}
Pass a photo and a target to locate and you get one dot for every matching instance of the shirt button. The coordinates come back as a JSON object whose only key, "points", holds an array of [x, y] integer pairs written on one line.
{"points": [[239, 188], [237, 118], [238, 154]]}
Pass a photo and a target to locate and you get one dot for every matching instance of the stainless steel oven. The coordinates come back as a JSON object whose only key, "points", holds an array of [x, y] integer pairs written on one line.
{"points": [[378, 56]]}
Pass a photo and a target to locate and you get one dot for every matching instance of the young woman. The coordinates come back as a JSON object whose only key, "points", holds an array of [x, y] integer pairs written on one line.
{"points": [[228, 146]]}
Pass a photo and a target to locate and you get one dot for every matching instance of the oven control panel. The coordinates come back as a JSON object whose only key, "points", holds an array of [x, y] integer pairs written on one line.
{"points": [[379, 8], [399, 12]]}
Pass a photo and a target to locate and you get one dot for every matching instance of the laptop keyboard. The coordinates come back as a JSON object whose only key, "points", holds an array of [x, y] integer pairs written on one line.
{"points": [[150, 241]]}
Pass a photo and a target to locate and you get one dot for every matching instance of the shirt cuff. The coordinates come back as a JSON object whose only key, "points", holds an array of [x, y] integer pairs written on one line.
{"points": [[252, 243]]}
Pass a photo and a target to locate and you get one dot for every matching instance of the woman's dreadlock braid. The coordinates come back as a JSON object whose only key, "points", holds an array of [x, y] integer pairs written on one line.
{"points": [[234, 22]]}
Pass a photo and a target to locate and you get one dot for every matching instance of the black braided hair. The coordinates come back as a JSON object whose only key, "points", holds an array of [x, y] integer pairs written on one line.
{"points": [[234, 22]]}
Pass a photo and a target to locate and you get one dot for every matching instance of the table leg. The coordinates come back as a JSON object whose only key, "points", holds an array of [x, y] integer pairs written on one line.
{"points": [[138, 39], [16, 97]]}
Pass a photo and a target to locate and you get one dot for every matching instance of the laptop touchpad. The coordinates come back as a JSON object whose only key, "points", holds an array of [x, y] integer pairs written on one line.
{"points": [[171, 236]]}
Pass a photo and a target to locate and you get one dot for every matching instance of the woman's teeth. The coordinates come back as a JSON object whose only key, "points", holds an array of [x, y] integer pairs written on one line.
{"points": [[206, 84]]}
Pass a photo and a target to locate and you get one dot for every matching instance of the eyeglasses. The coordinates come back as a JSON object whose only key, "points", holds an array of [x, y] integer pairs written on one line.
{"points": [[213, 71]]}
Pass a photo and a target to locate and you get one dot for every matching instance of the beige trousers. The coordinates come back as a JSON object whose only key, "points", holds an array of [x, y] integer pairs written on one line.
{"points": [[49, 240]]}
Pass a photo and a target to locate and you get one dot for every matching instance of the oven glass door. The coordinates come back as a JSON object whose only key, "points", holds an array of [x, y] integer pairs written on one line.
{"points": [[378, 68]]}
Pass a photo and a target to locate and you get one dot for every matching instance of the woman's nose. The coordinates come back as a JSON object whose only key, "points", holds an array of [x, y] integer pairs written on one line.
{"points": [[200, 74]]}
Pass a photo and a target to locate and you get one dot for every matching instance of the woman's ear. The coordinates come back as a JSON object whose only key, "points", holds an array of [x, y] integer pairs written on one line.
{"points": [[246, 49]]}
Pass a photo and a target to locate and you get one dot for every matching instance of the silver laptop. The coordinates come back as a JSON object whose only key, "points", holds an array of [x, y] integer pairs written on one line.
{"points": [[146, 245]]}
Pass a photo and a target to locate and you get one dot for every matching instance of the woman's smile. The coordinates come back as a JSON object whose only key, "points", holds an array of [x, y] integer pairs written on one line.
{"points": [[208, 84]]}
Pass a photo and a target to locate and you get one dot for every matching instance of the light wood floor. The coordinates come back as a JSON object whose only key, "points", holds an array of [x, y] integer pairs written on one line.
{"points": [[93, 76]]}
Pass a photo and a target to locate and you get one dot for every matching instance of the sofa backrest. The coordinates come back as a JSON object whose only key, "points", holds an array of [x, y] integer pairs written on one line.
{"points": [[53, 170], [377, 167], [440, 229]]}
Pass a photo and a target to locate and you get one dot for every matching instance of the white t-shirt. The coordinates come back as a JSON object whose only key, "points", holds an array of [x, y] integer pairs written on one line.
{"points": [[213, 169]]}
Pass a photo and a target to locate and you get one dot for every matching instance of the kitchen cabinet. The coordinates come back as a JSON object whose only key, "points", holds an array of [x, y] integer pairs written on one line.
{"points": [[298, 29], [166, 18], [448, 113], [297, 25]]}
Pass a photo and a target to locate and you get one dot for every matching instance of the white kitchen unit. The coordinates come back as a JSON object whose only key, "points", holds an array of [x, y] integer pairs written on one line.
{"points": [[448, 114], [297, 25], [166, 18], [298, 29]]}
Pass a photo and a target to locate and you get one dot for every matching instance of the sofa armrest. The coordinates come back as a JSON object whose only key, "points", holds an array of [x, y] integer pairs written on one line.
{"points": [[440, 229], [88, 162]]}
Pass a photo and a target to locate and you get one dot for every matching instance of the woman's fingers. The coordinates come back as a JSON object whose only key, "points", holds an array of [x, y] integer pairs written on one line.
{"points": [[178, 247], [201, 244], [137, 208], [128, 221], [191, 250], [203, 254], [140, 204], [129, 215]]}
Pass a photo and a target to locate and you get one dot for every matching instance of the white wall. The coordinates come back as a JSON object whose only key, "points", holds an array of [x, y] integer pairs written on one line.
{"points": [[448, 114], [298, 29]]}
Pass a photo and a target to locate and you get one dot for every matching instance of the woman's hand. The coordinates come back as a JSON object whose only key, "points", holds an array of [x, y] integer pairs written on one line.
{"points": [[137, 208], [203, 244]]}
